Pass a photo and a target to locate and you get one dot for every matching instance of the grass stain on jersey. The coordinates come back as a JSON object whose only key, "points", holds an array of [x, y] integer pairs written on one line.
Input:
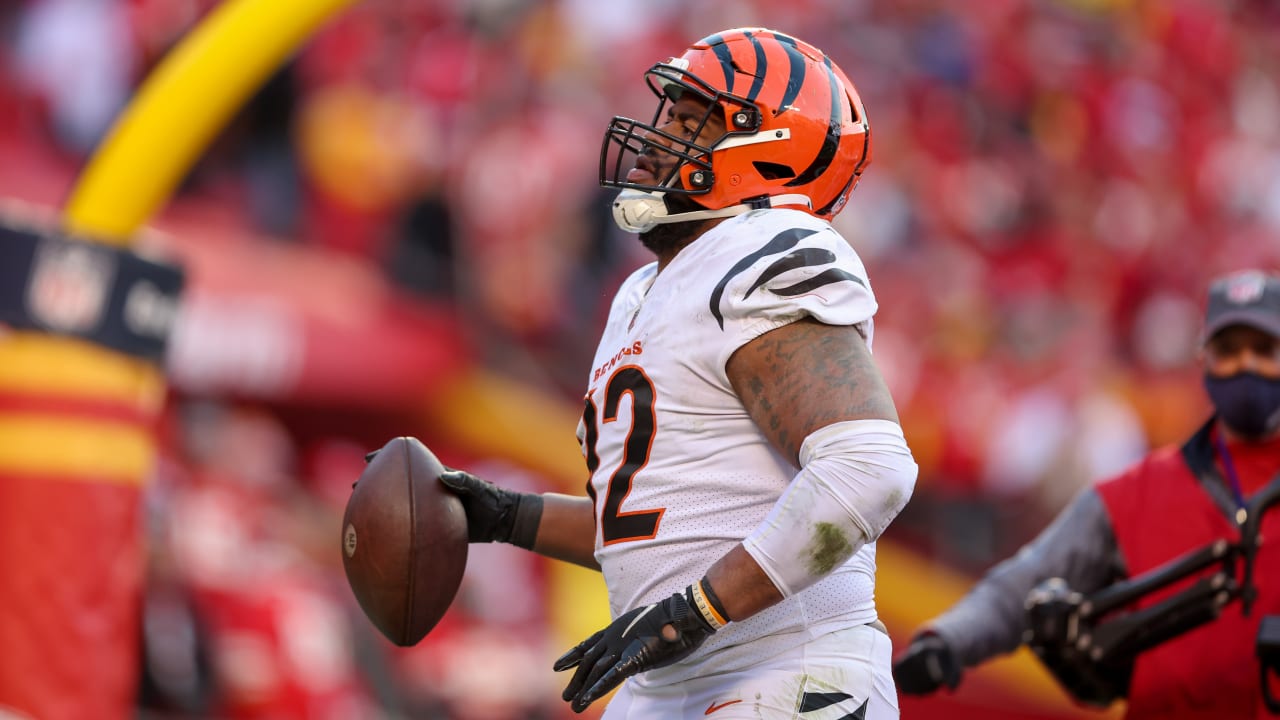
{"points": [[830, 547], [894, 502]]}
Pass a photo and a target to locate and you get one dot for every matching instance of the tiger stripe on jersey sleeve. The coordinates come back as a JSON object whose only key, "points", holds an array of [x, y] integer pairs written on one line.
{"points": [[804, 257], [784, 240], [798, 259]]}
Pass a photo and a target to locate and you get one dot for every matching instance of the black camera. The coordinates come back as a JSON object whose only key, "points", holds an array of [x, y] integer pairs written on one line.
{"points": [[1089, 643]]}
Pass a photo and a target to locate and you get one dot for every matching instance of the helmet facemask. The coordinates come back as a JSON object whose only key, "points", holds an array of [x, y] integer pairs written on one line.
{"points": [[684, 167], [626, 139]]}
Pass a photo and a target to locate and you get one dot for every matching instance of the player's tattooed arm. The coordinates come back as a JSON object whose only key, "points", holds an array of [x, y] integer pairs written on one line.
{"points": [[793, 381], [806, 375]]}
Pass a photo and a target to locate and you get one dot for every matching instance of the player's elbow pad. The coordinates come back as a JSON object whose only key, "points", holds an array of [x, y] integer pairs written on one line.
{"points": [[855, 477]]}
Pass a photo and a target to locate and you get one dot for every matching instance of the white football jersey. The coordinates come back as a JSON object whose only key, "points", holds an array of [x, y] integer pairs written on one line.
{"points": [[680, 473]]}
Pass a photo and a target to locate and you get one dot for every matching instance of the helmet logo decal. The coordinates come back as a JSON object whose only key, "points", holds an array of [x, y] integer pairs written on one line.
{"points": [[832, 142]]}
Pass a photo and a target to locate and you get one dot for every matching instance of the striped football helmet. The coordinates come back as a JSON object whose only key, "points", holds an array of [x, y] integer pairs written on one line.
{"points": [[796, 133]]}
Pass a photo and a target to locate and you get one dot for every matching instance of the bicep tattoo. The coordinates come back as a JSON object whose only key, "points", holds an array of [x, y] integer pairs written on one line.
{"points": [[806, 375]]}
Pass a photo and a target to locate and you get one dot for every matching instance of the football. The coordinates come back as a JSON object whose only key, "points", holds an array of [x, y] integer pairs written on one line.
{"points": [[404, 541]]}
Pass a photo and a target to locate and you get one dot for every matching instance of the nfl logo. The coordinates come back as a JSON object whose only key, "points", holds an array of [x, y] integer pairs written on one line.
{"points": [[68, 289], [1246, 288]]}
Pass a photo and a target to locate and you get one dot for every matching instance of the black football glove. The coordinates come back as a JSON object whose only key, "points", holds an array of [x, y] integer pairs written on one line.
{"points": [[637, 641], [495, 514], [926, 665]]}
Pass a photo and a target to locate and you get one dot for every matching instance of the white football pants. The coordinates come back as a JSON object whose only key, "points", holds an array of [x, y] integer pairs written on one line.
{"points": [[844, 675]]}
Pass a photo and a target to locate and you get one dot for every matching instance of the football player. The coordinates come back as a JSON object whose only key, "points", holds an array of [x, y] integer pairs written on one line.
{"points": [[744, 451]]}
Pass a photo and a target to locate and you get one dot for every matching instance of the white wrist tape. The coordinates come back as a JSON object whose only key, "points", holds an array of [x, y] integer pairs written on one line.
{"points": [[855, 477]]}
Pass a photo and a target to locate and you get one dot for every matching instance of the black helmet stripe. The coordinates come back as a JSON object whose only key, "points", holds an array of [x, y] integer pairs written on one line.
{"points": [[832, 142], [796, 78], [826, 209], [761, 63], [725, 56]]}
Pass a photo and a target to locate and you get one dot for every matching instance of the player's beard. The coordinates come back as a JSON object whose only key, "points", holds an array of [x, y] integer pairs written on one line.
{"points": [[667, 238]]}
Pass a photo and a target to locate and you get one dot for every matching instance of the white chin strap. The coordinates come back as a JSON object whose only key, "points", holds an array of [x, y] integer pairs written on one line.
{"points": [[638, 211]]}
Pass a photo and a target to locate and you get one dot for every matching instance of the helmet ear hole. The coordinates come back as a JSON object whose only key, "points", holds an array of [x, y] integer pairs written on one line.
{"points": [[774, 171]]}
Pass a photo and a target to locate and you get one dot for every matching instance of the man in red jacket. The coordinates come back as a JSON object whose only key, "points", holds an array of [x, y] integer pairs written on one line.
{"points": [[1173, 501]]}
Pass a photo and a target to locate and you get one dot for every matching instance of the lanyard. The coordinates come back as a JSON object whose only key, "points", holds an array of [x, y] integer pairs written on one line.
{"points": [[1232, 478]]}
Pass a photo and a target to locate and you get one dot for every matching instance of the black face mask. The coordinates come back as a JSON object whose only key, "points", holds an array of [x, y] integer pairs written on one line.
{"points": [[1248, 403]]}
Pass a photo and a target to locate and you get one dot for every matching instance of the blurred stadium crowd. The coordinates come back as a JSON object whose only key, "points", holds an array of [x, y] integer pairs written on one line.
{"points": [[1054, 182]]}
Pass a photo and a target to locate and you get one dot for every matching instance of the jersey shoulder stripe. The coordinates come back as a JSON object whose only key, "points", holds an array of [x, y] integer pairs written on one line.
{"points": [[784, 240], [802, 258], [797, 259]]}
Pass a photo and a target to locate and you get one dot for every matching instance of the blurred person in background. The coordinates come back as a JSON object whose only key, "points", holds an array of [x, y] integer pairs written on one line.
{"points": [[744, 450], [1176, 500], [77, 57], [246, 615]]}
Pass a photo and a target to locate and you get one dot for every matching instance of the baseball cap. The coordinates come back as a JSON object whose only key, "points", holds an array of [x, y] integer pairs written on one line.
{"points": [[1248, 297]]}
